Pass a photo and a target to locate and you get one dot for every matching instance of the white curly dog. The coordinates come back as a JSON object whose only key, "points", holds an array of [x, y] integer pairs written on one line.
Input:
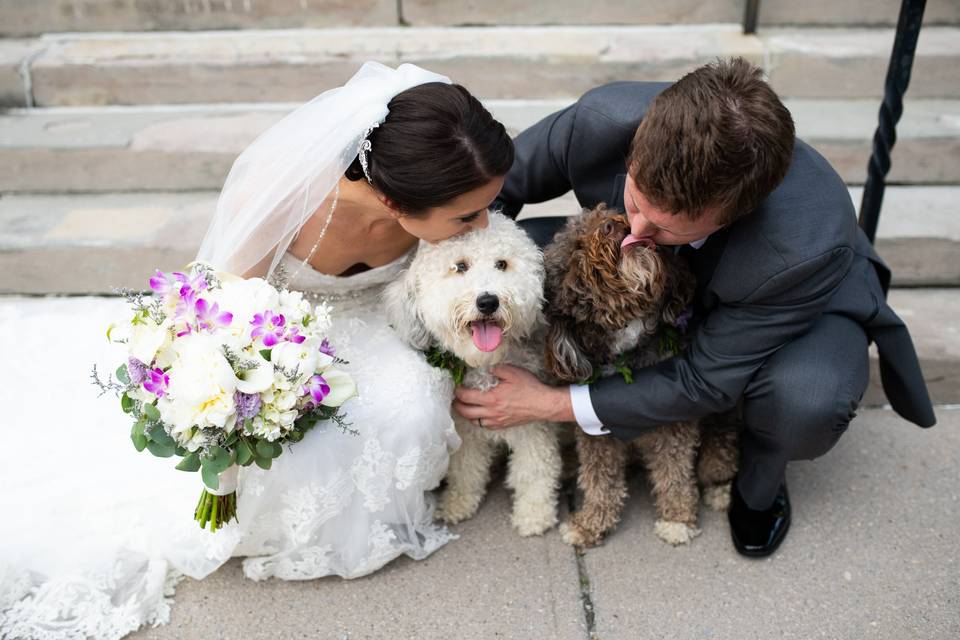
{"points": [[479, 297]]}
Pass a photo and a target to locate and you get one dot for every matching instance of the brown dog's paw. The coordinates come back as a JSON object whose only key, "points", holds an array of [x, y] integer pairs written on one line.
{"points": [[574, 534], [717, 497], [675, 533]]}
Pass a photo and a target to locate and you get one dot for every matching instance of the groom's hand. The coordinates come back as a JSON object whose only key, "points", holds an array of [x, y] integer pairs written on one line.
{"points": [[518, 398]]}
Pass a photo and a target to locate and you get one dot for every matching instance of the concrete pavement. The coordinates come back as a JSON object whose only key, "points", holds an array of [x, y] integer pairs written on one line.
{"points": [[872, 554]]}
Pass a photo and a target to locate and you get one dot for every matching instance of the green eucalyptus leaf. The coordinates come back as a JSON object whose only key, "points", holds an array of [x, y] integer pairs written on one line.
{"points": [[277, 450], [122, 375], [210, 477], [264, 449], [190, 462], [266, 354], [264, 463], [137, 436], [218, 458], [159, 450], [127, 403], [244, 454], [159, 435], [151, 412]]}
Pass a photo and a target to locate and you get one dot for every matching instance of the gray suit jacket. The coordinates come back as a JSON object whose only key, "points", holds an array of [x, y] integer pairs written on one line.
{"points": [[762, 281]]}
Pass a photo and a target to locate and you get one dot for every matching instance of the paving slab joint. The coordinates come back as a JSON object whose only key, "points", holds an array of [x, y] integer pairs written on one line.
{"points": [[400, 19], [586, 598], [27, 77]]}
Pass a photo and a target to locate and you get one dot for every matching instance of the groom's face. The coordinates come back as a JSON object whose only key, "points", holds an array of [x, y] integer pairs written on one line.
{"points": [[647, 222]]}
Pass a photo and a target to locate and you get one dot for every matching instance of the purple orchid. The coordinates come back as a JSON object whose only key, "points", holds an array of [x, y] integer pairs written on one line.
{"points": [[196, 282], [163, 284], [293, 335], [317, 388], [248, 404], [327, 349], [209, 317], [157, 383], [136, 371], [269, 327]]}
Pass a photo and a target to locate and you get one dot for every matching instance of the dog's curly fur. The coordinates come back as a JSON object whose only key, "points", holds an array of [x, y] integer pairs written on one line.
{"points": [[602, 302], [436, 302]]}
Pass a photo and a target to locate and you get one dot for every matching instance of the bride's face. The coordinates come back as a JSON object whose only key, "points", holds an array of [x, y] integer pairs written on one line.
{"points": [[461, 215]]}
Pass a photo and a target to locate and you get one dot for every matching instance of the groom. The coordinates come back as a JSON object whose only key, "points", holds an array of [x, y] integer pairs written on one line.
{"points": [[790, 291]]}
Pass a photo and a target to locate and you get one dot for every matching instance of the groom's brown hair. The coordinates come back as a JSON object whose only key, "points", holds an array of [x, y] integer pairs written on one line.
{"points": [[718, 140]]}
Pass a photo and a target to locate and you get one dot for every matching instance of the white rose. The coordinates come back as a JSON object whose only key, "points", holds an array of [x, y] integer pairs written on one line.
{"points": [[147, 337], [201, 387]]}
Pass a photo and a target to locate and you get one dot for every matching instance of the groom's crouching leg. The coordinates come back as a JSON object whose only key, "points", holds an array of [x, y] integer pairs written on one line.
{"points": [[800, 403]]}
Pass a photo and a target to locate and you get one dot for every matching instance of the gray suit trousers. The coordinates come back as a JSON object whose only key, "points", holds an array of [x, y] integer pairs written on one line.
{"points": [[800, 402]]}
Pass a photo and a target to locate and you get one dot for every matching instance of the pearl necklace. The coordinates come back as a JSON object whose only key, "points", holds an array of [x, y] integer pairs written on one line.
{"points": [[323, 231]]}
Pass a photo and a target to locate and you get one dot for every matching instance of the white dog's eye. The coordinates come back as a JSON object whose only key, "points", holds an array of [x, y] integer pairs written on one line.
{"points": [[501, 265], [461, 267]]}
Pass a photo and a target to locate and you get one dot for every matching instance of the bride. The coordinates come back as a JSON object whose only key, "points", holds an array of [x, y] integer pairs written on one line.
{"points": [[333, 199]]}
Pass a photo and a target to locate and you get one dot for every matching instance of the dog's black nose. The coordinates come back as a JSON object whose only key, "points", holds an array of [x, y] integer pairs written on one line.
{"points": [[487, 303]]}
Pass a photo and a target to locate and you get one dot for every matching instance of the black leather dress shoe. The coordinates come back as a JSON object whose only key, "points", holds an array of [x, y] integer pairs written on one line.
{"points": [[757, 534]]}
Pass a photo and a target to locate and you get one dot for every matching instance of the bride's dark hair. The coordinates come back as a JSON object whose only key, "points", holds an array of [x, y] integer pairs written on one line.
{"points": [[436, 143]]}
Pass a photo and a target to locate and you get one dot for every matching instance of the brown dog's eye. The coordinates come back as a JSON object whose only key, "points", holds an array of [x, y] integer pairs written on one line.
{"points": [[461, 267], [500, 265]]}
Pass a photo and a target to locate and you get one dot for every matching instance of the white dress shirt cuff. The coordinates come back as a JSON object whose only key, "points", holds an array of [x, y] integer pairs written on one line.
{"points": [[583, 411]]}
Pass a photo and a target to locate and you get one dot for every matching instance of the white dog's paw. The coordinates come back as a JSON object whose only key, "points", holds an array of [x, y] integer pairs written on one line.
{"points": [[454, 508], [675, 533], [533, 521], [717, 497]]}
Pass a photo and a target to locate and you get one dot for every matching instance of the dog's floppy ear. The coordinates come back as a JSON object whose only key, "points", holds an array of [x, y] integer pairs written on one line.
{"points": [[565, 357], [399, 299]]}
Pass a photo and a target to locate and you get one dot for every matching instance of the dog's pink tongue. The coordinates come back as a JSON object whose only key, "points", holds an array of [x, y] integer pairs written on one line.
{"points": [[486, 335], [632, 239]]}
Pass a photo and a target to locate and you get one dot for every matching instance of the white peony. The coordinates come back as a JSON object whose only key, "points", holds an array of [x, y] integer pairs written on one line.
{"points": [[202, 384]]}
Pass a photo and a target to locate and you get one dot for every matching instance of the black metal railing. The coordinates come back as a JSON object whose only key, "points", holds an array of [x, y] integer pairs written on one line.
{"points": [[898, 77]]}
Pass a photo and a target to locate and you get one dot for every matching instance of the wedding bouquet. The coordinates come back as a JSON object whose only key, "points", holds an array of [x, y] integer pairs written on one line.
{"points": [[222, 371]]}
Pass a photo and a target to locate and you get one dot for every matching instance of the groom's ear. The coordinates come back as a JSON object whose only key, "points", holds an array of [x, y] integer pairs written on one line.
{"points": [[400, 299]]}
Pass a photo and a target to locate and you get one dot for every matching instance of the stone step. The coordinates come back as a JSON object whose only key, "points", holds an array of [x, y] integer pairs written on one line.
{"points": [[496, 62], [92, 243], [190, 147], [20, 18]]}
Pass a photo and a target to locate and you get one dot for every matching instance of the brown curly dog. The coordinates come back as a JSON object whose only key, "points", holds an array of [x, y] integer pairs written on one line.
{"points": [[612, 311]]}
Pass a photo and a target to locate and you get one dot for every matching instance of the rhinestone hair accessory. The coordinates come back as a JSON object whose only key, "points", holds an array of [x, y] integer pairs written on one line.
{"points": [[366, 147]]}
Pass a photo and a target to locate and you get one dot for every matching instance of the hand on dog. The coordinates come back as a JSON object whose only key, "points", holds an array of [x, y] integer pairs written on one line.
{"points": [[519, 398]]}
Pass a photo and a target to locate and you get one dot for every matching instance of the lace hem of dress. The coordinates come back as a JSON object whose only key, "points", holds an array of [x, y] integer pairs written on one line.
{"points": [[106, 604]]}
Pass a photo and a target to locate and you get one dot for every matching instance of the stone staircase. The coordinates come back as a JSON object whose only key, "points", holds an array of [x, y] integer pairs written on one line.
{"points": [[123, 116]]}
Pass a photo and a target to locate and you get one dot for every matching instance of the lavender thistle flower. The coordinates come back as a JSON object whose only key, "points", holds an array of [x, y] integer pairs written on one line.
{"points": [[248, 404], [136, 371]]}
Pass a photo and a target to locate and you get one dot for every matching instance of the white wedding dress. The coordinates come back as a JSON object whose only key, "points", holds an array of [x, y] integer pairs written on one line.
{"points": [[94, 534]]}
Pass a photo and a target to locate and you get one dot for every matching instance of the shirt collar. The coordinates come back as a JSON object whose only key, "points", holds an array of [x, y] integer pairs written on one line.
{"points": [[696, 244]]}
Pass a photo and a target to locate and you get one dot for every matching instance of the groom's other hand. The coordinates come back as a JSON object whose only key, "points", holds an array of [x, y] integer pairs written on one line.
{"points": [[519, 398]]}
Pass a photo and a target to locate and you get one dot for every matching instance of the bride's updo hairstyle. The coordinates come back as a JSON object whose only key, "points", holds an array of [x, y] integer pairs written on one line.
{"points": [[436, 143]]}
